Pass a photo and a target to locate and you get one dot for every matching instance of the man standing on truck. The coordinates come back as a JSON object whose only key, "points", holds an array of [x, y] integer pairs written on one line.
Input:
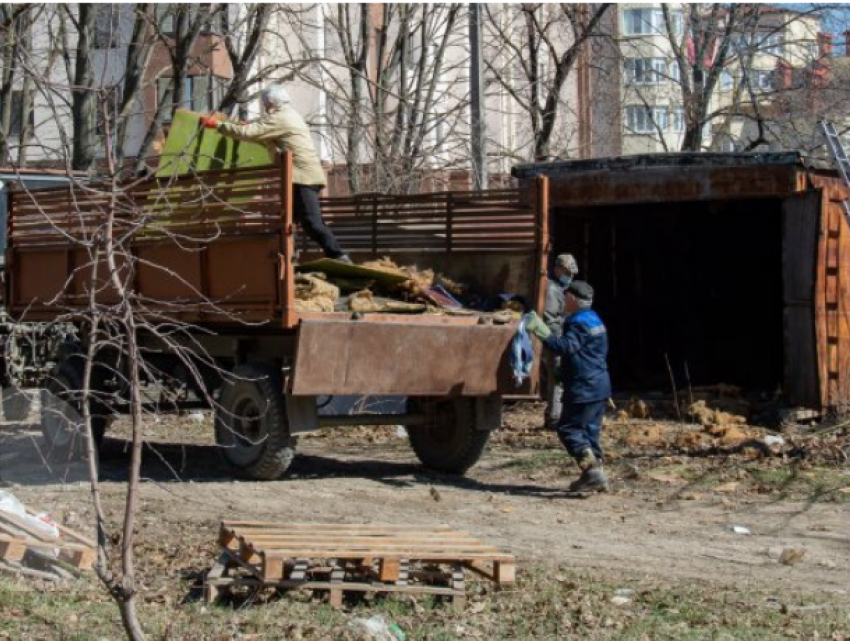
{"points": [[583, 347], [283, 129], [563, 272]]}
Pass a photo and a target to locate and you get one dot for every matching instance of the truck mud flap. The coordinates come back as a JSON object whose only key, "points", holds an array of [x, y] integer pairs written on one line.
{"points": [[405, 358]]}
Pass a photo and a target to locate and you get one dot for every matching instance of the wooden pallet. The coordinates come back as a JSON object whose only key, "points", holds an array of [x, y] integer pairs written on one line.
{"points": [[340, 558], [17, 537]]}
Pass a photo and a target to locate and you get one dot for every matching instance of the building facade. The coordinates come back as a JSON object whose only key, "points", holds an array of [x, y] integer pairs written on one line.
{"points": [[745, 53]]}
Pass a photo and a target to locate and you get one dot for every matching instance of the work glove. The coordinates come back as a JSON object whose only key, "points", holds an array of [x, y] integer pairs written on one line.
{"points": [[535, 325], [209, 122]]}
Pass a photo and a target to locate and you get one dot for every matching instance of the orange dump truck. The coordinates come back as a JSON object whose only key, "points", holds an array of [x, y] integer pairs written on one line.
{"points": [[216, 259]]}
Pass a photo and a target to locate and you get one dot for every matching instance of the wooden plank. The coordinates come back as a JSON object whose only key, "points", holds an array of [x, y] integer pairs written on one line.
{"points": [[504, 572], [13, 548], [413, 555], [374, 549], [369, 545], [389, 569], [7, 519], [446, 539], [330, 526]]}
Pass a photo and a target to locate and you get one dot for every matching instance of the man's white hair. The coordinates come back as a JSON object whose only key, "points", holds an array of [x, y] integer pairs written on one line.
{"points": [[275, 96]]}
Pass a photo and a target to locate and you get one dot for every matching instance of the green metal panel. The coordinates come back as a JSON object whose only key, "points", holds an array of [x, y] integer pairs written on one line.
{"points": [[190, 147]]}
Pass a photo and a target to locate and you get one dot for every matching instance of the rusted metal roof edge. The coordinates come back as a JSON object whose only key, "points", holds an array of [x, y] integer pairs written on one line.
{"points": [[672, 160]]}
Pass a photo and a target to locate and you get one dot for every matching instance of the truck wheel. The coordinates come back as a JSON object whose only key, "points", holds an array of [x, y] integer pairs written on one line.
{"points": [[251, 426], [449, 441], [16, 404], [62, 422]]}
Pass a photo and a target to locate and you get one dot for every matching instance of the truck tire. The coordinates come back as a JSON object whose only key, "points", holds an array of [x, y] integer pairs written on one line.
{"points": [[449, 442], [251, 426], [62, 422], [17, 404]]}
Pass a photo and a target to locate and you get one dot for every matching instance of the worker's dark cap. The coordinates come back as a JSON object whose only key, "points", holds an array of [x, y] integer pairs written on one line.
{"points": [[581, 290]]}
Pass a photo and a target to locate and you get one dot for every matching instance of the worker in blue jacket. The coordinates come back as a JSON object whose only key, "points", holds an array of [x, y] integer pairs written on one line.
{"points": [[583, 348]]}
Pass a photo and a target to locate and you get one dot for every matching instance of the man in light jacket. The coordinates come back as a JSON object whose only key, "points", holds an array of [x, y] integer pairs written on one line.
{"points": [[283, 129], [563, 273]]}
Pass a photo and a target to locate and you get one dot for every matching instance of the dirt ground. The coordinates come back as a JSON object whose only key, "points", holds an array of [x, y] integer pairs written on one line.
{"points": [[669, 520]]}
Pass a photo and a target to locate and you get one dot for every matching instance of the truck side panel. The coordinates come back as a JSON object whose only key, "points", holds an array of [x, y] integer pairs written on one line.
{"points": [[404, 358]]}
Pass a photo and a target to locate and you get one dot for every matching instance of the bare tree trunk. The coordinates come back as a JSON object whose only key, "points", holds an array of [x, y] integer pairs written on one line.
{"points": [[139, 52], [243, 61], [152, 134], [356, 54], [188, 23], [9, 31], [27, 92], [83, 91], [127, 594]]}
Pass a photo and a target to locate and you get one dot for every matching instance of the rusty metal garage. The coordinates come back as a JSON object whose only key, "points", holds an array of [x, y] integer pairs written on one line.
{"points": [[735, 268]]}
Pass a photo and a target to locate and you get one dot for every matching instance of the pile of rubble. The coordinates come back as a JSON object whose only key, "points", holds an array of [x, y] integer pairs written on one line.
{"points": [[715, 416], [382, 286]]}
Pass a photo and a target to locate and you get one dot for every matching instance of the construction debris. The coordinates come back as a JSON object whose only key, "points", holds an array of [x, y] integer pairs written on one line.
{"points": [[638, 408], [723, 425], [314, 294], [382, 286], [34, 545], [364, 301]]}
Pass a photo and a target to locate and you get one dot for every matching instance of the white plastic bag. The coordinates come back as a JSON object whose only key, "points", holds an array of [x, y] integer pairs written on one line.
{"points": [[42, 522], [376, 628]]}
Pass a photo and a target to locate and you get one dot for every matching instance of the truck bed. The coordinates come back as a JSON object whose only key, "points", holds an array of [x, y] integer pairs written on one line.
{"points": [[217, 250]]}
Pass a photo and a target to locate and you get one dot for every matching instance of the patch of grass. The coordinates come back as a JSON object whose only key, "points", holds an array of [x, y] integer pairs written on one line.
{"points": [[539, 460], [815, 484], [548, 602]]}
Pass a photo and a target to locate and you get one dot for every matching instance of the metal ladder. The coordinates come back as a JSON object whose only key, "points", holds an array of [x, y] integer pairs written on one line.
{"points": [[842, 162]]}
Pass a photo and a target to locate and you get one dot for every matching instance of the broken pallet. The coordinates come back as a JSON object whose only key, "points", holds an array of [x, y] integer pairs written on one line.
{"points": [[340, 558], [17, 537]]}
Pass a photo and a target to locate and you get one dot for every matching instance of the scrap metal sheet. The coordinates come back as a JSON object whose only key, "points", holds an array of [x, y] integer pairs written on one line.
{"points": [[190, 147]]}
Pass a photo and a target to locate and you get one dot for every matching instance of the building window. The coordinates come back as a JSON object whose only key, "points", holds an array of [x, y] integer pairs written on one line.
{"points": [[727, 81], [646, 71], [107, 26], [648, 22], [199, 93], [675, 72], [641, 119], [761, 80], [165, 18], [659, 115], [773, 44], [678, 120], [17, 120]]}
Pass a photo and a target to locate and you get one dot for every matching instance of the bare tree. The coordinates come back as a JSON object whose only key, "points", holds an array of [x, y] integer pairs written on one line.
{"points": [[394, 79], [701, 54], [251, 31], [542, 53], [716, 72], [15, 23]]}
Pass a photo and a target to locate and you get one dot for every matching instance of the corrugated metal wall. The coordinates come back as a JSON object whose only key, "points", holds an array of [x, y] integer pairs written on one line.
{"points": [[832, 295]]}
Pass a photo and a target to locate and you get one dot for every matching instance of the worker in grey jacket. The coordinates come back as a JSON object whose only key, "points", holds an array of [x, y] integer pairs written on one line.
{"points": [[283, 129], [563, 273]]}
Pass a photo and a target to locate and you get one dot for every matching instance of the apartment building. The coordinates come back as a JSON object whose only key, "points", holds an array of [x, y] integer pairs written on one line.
{"points": [[750, 62]]}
